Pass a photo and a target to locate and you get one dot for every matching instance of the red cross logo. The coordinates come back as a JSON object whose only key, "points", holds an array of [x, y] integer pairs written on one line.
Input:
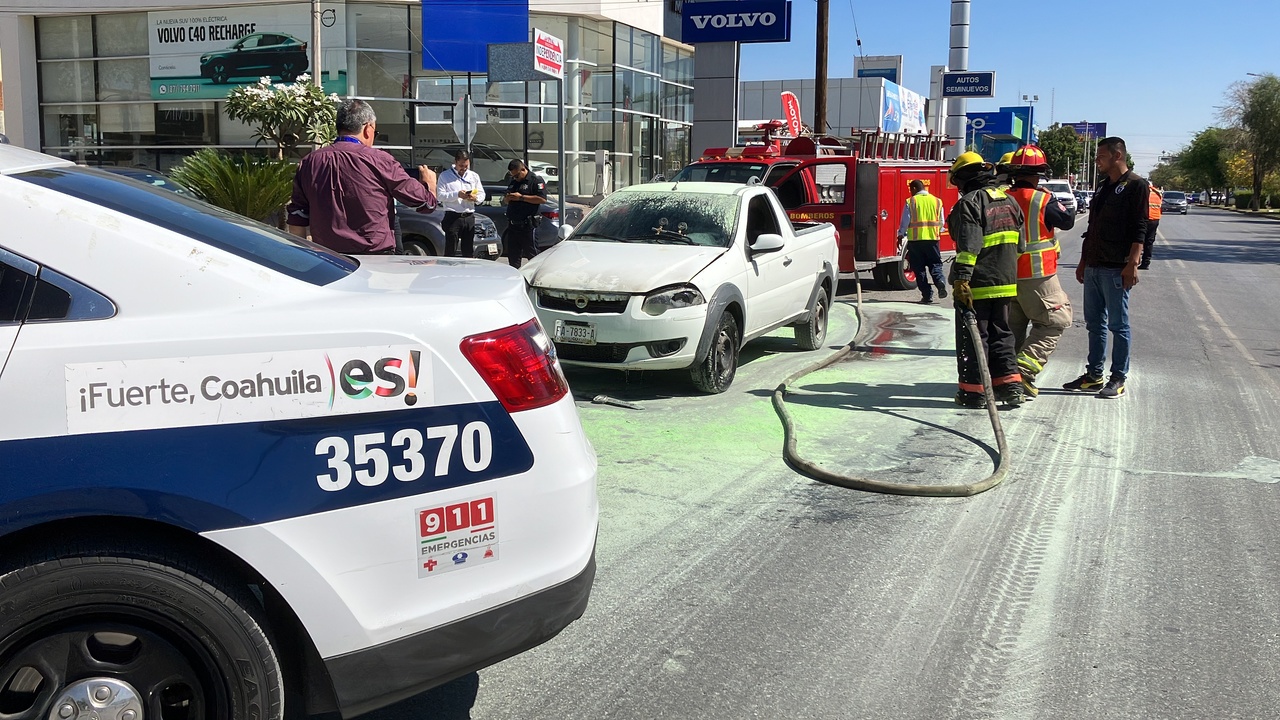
{"points": [[430, 564]]}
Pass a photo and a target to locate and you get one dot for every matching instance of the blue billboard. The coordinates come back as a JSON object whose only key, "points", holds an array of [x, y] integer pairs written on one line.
{"points": [[456, 35], [745, 21], [890, 74]]}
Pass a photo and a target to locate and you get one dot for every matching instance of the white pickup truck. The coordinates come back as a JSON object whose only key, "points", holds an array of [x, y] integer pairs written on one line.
{"points": [[669, 276]]}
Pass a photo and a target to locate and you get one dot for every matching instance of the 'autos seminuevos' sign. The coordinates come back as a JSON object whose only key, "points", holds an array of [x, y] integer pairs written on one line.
{"points": [[736, 21]]}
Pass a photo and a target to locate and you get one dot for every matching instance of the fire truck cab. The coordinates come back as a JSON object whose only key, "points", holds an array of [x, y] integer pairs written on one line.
{"points": [[858, 184]]}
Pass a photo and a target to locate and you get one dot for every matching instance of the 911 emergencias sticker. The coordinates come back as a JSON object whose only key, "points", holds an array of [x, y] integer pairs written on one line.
{"points": [[456, 536]]}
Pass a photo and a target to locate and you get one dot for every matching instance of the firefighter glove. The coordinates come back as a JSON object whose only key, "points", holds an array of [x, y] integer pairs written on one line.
{"points": [[962, 294]]}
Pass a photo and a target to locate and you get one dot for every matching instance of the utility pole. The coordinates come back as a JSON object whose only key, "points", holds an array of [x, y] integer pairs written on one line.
{"points": [[958, 60], [315, 43], [820, 71]]}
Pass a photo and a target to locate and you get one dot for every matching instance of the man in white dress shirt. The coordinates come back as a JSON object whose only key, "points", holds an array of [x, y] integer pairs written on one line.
{"points": [[459, 190]]}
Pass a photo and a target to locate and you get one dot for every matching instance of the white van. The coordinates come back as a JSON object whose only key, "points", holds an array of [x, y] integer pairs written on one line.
{"points": [[1062, 190]]}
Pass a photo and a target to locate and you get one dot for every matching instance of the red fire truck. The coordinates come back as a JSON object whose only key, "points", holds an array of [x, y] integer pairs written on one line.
{"points": [[858, 184]]}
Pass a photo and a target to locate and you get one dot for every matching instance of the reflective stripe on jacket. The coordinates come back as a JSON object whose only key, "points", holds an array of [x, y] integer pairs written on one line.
{"points": [[987, 227], [926, 217], [1153, 204], [1040, 259]]}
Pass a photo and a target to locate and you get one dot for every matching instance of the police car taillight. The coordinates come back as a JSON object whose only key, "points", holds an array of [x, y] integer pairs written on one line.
{"points": [[519, 365]]}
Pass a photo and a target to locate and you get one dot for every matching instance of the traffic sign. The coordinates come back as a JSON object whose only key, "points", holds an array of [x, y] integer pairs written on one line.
{"points": [[1089, 130], [464, 120], [969, 84], [548, 54]]}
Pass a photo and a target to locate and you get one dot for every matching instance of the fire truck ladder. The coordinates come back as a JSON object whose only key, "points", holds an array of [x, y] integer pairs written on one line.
{"points": [[874, 144]]}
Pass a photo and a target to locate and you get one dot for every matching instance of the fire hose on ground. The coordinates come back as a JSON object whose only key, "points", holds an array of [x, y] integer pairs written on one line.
{"points": [[817, 472]]}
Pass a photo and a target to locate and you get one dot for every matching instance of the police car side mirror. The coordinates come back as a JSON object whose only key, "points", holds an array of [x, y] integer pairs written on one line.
{"points": [[767, 242], [565, 231]]}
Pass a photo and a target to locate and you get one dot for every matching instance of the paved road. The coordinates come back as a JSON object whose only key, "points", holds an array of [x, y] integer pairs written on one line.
{"points": [[1129, 570]]}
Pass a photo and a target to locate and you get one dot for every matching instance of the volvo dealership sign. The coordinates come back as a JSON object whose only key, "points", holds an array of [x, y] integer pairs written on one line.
{"points": [[747, 21], [969, 84]]}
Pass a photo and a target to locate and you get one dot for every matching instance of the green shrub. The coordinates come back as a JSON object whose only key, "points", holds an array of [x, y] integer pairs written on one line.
{"points": [[255, 187], [1243, 199]]}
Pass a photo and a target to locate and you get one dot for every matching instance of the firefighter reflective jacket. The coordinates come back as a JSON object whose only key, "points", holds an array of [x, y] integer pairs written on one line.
{"points": [[987, 227], [1153, 204], [1040, 259], [926, 217]]}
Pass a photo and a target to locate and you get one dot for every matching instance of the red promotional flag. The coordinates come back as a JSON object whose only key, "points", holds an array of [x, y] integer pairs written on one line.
{"points": [[791, 111]]}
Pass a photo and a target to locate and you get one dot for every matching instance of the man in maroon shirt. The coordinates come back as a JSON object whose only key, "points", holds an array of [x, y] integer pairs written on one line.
{"points": [[346, 192]]}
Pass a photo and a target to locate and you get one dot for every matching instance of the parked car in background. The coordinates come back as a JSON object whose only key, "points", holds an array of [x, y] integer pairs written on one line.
{"points": [[548, 232], [1173, 201], [1193, 198], [488, 161], [266, 53], [1062, 190], [422, 233], [151, 177], [4, 140]]}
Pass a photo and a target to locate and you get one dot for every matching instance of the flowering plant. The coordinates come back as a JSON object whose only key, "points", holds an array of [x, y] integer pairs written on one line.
{"points": [[286, 114]]}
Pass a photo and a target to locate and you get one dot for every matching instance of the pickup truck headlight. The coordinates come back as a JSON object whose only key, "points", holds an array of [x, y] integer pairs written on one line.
{"points": [[680, 296]]}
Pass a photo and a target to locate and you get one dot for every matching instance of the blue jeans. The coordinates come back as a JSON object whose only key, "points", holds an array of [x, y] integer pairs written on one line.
{"points": [[1106, 307]]}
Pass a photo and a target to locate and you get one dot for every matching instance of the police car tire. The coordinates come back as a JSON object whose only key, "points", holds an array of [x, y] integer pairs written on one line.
{"points": [[214, 626], [811, 334]]}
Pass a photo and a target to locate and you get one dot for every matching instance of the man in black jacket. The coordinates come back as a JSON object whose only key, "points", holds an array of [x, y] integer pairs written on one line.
{"points": [[1109, 266]]}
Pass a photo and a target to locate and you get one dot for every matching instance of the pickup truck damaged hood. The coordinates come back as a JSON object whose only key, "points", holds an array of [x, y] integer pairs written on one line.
{"points": [[617, 267]]}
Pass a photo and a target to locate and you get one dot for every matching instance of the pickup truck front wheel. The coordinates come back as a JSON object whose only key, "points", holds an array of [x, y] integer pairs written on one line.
{"points": [[810, 335], [715, 373]]}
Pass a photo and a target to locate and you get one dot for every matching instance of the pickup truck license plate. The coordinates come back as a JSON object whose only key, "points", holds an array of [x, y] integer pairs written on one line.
{"points": [[493, 248], [575, 333]]}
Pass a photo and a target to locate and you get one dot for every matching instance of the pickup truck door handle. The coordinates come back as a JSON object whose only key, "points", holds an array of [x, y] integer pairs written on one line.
{"points": [[786, 261]]}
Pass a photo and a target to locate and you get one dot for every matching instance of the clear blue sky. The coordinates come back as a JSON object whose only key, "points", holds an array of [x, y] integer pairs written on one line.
{"points": [[1151, 71]]}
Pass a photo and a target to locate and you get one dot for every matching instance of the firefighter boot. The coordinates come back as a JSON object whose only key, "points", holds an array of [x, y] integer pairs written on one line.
{"points": [[1029, 367], [1010, 394], [969, 399]]}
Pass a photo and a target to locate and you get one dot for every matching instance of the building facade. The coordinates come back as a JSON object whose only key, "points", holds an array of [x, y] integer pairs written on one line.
{"points": [[91, 82]]}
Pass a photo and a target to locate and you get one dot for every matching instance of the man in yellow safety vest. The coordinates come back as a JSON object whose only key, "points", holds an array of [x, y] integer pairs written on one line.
{"points": [[922, 226], [1041, 300]]}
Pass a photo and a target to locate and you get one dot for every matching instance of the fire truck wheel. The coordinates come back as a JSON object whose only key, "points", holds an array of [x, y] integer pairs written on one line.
{"points": [[895, 276]]}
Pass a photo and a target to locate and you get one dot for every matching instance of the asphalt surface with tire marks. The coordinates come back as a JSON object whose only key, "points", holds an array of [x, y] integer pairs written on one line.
{"points": [[1127, 570]]}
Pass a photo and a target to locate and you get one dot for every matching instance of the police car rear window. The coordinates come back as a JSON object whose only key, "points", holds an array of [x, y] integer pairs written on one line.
{"points": [[220, 228]]}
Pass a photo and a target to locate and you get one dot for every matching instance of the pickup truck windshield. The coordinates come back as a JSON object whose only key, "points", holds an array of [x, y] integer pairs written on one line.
{"points": [[198, 220], [663, 218]]}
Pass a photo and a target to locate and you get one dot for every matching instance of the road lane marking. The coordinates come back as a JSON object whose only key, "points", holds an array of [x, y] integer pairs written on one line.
{"points": [[1222, 325]]}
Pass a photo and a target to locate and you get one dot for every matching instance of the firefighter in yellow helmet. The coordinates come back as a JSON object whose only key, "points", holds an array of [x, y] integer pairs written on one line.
{"points": [[1041, 301], [1003, 181], [987, 227]]}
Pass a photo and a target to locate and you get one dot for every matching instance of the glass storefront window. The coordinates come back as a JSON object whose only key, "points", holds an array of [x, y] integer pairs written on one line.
{"points": [[380, 74], [382, 27], [122, 34], [67, 81], [65, 37], [124, 80]]}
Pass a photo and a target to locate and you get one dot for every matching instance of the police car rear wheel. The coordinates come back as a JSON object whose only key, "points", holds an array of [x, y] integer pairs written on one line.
{"points": [[139, 639]]}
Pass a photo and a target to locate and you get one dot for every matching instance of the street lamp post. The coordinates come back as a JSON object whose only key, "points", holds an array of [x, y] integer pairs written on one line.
{"points": [[1030, 100]]}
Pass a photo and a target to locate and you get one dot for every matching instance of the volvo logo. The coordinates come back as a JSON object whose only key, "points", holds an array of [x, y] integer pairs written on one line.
{"points": [[734, 20], [580, 301]]}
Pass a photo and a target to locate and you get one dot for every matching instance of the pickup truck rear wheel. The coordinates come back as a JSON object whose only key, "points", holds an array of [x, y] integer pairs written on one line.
{"points": [[131, 638], [715, 373], [810, 335]]}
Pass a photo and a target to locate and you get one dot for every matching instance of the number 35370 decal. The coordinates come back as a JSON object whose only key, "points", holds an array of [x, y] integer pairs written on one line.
{"points": [[372, 458]]}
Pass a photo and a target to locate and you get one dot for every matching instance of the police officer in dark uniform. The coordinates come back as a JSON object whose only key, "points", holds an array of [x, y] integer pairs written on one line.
{"points": [[524, 199]]}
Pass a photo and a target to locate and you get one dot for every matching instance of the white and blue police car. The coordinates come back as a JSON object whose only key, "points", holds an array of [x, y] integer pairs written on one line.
{"points": [[241, 473]]}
